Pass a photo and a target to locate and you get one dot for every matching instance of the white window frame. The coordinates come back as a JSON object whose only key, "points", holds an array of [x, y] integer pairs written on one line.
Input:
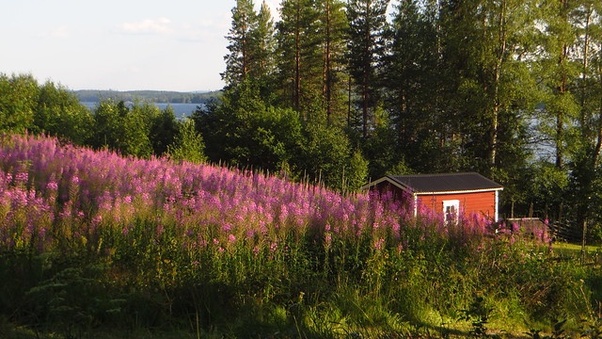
{"points": [[451, 203]]}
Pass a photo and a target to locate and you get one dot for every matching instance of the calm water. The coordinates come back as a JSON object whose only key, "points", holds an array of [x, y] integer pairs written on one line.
{"points": [[180, 110]]}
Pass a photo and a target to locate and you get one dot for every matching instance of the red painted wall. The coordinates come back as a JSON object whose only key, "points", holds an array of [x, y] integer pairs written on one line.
{"points": [[470, 203], [477, 203]]}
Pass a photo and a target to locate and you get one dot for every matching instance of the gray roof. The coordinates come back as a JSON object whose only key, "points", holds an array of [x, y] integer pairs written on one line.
{"points": [[448, 182]]}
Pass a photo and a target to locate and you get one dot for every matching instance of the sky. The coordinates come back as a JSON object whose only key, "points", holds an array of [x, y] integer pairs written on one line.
{"points": [[175, 45]]}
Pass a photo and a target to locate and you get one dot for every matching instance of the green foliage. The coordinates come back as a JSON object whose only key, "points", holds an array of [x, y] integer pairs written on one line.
{"points": [[381, 148], [163, 131], [478, 314], [74, 299], [300, 57], [42, 109], [366, 49], [291, 285], [326, 158], [124, 129], [18, 101], [241, 47], [357, 172], [189, 146], [244, 132], [332, 33], [251, 49], [59, 113]]}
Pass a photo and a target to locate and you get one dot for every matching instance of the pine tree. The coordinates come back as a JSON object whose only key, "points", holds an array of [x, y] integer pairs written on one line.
{"points": [[300, 56], [240, 48], [333, 32], [367, 21]]}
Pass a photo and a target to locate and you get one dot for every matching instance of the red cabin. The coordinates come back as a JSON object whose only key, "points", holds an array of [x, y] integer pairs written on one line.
{"points": [[451, 194]]}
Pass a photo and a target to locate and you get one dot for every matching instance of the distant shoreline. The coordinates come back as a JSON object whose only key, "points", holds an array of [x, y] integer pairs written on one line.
{"points": [[163, 97], [181, 110]]}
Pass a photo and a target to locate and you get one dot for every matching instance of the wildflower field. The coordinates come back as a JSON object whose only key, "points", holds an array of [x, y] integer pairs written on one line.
{"points": [[92, 242]]}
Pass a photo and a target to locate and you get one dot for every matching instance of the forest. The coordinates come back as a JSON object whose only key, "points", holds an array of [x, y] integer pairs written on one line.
{"points": [[509, 89]]}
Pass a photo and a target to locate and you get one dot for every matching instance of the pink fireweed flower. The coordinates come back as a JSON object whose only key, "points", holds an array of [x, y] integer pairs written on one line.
{"points": [[97, 220], [399, 248], [514, 227], [226, 227], [283, 215], [379, 244], [21, 178], [159, 230], [8, 178], [18, 197], [273, 247], [231, 238], [52, 186], [327, 239], [67, 210]]}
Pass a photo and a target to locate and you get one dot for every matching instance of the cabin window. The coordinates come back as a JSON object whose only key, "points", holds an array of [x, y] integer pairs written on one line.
{"points": [[451, 209]]}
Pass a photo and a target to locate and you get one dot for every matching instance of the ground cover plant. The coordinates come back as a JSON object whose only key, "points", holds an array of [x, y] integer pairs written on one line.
{"points": [[92, 242]]}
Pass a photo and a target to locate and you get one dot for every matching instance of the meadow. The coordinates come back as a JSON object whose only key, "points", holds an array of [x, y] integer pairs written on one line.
{"points": [[96, 244]]}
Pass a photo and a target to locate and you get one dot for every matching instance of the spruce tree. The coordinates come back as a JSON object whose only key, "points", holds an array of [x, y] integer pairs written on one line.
{"points": [[367, 22], [240, 48], [413, 83], [263, 60]]}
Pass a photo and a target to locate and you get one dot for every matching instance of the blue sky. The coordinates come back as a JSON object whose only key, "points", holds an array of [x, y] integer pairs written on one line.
{"points": [[121, 45]]}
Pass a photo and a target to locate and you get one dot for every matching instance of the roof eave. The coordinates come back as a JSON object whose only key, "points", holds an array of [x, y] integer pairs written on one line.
{"points": [[390, 180], [481, 190]]}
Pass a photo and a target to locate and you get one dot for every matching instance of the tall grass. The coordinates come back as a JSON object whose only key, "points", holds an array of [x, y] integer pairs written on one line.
{"points": [[90, 238]]}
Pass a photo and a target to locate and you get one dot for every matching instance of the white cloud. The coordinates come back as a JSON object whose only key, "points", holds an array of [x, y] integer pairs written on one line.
{"points": [[148, 26]]}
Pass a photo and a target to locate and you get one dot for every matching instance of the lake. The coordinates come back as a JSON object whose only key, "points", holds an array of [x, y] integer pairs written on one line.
{"points": [[180, 110]]}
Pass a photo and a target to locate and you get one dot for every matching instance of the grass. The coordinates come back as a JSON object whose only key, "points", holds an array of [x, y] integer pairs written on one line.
{"points": [[590, 254]]}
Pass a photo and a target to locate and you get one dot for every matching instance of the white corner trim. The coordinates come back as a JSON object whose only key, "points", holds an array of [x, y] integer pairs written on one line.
{"points": [[497, 201]]}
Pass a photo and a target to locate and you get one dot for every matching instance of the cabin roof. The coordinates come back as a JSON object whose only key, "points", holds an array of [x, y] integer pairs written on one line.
{"points": [[443, 182]]}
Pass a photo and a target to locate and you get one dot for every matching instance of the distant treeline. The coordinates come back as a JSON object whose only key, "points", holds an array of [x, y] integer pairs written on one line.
{"points": [[149, 96]]}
